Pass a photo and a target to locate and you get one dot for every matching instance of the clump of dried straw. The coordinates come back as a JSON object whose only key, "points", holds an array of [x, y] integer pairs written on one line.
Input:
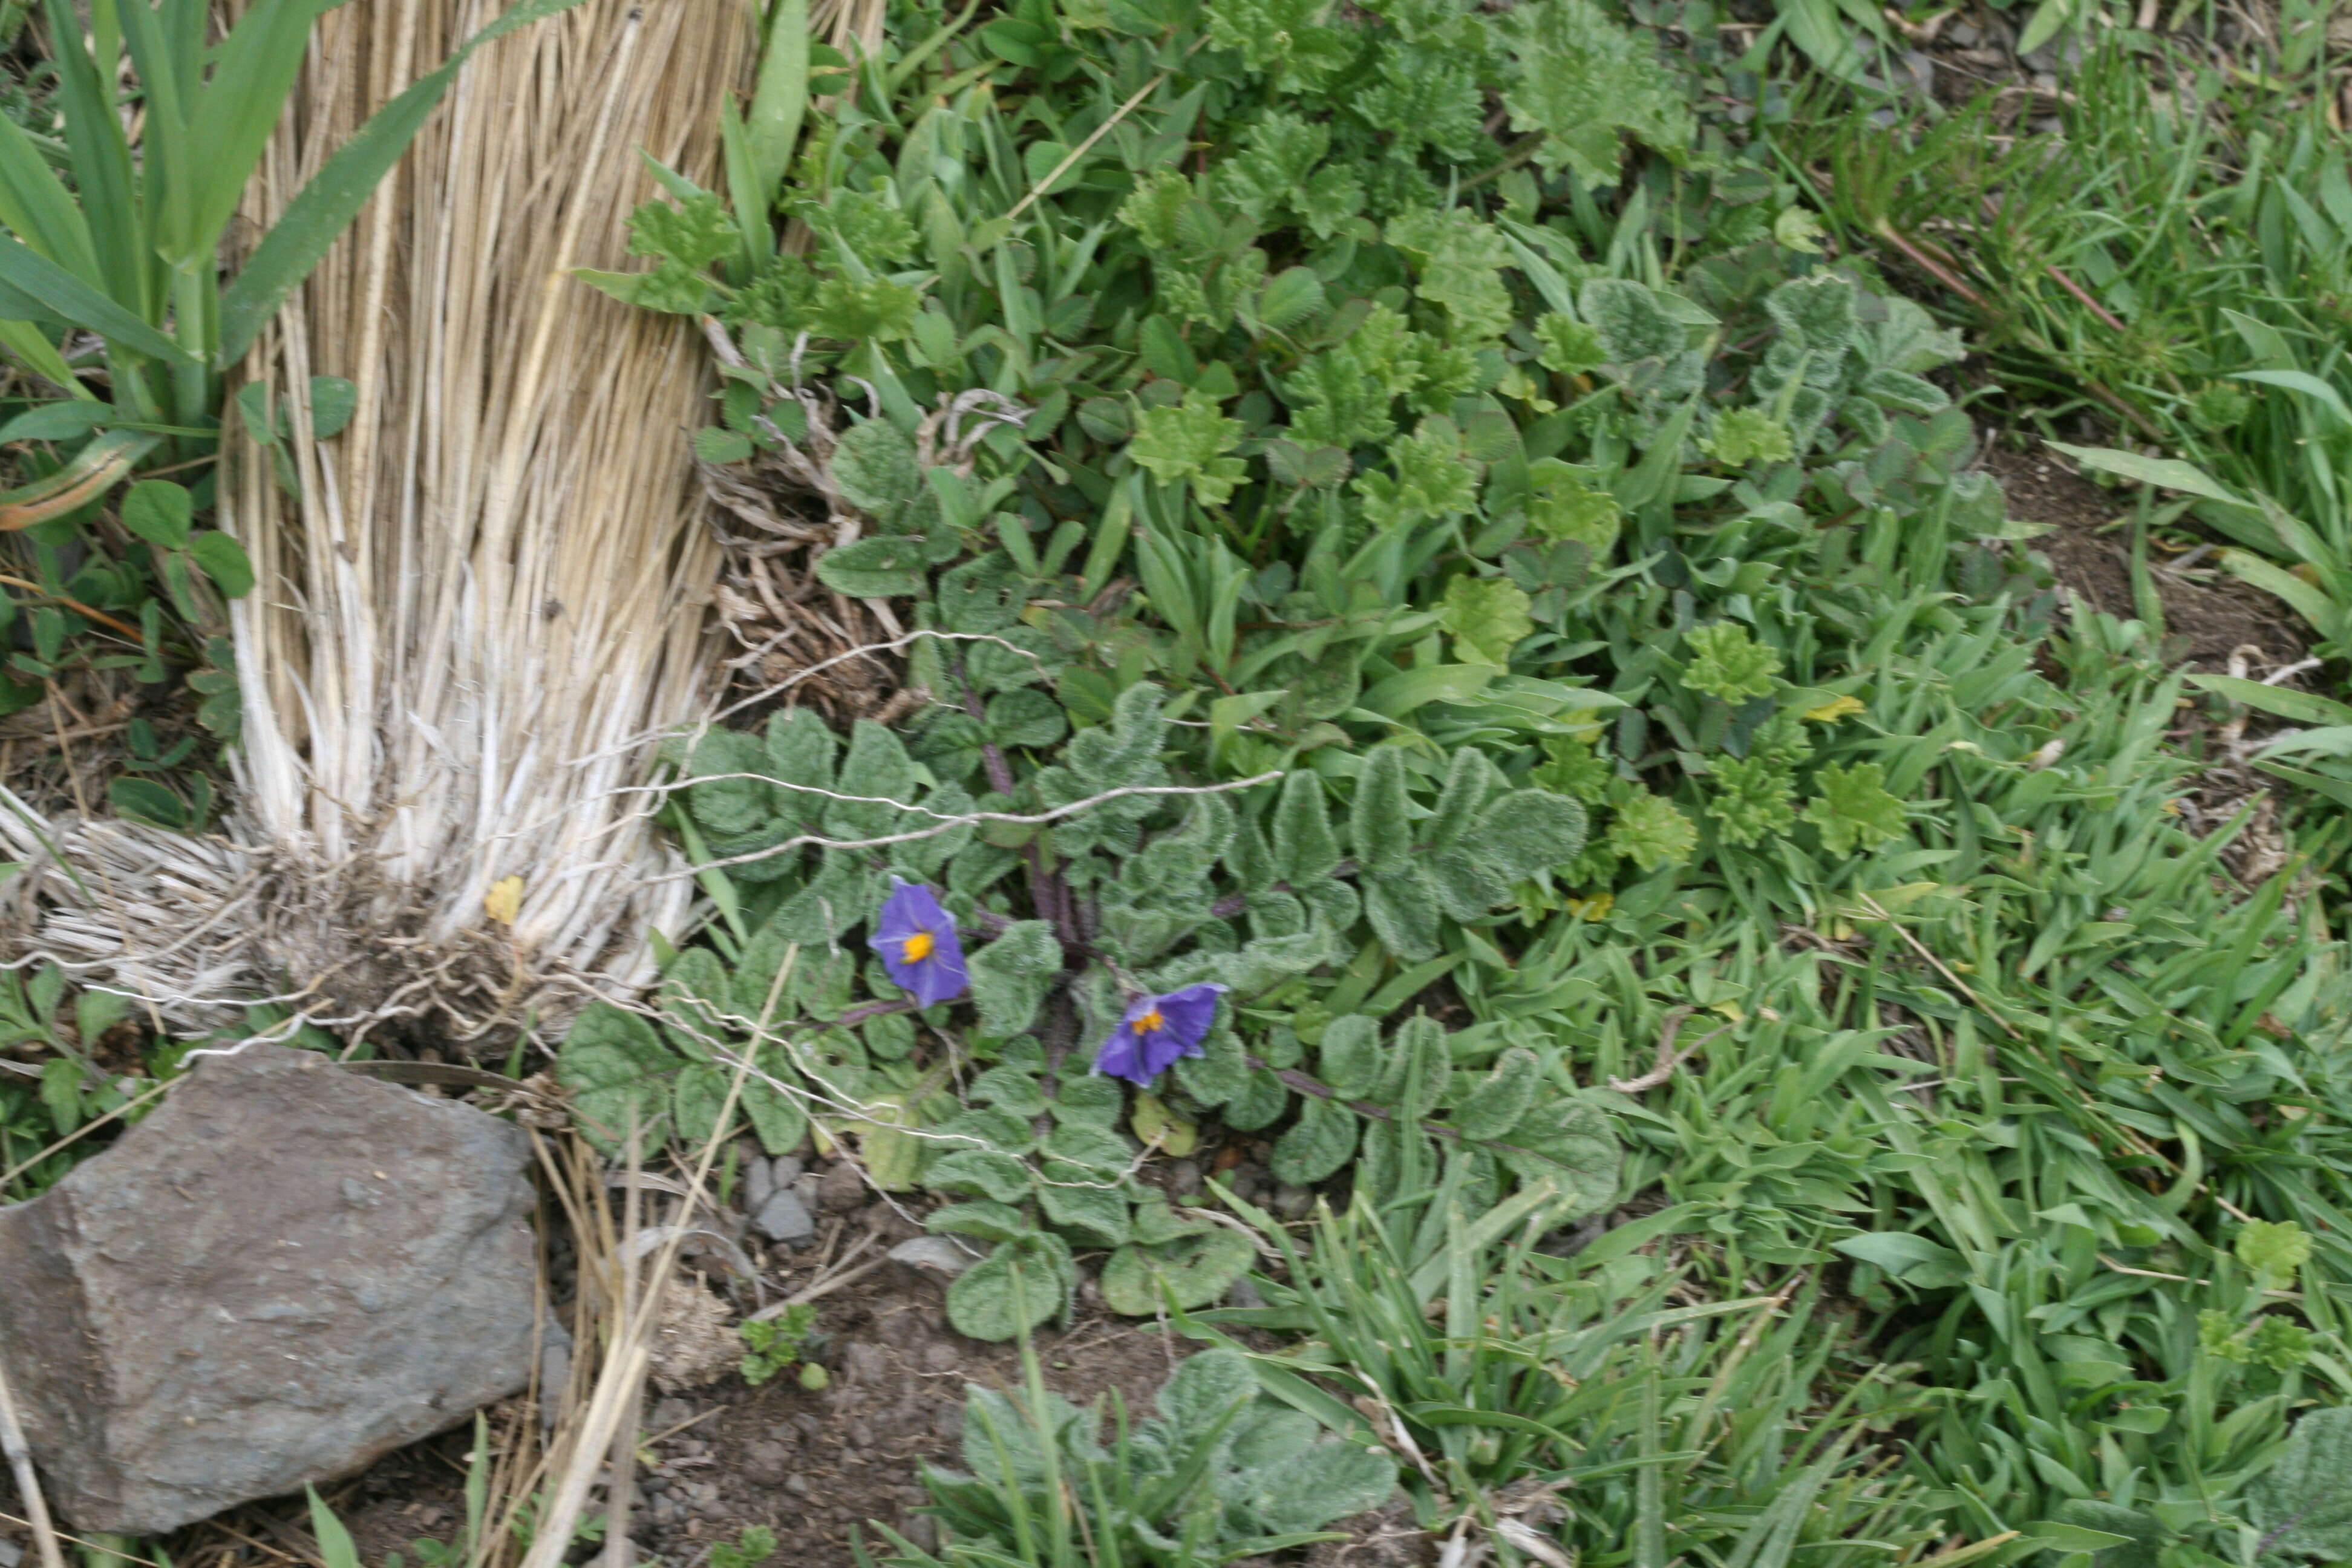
{"points": [[489, 598]]}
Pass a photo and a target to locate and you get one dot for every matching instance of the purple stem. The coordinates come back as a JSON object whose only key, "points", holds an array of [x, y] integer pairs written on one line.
{"points": [[1048, 893]]}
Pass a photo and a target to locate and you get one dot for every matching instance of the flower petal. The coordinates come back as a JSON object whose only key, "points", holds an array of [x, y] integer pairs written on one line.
{"points": [[1189, 1012], [912, 909], [1123, 1055]]}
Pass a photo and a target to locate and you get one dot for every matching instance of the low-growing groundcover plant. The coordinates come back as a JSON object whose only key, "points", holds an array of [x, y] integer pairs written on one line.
{"points": [[1180, 909], [1580, 700], [1221, 1472]]}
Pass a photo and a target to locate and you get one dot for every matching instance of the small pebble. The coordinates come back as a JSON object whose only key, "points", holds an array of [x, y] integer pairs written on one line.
{"points": [[940, 1255], [788, 1168], [1184, 1178], [1292, 1203], [10, 1554], [758, 1183], [1244, 1294], [785, 1217], [841, 1190], [669, 1413], [797, 1484]]}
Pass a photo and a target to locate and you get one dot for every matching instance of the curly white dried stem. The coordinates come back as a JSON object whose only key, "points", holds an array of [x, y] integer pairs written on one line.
{"points": [[969, 818]]}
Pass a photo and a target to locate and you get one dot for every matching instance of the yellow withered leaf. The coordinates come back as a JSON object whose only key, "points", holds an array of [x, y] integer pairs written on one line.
{"points": [[1835, 708], [504, 900], [1161, 1126]]}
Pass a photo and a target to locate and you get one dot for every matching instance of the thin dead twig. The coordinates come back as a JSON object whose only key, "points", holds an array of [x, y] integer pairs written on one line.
{"points": [[1669, 1057], [29, 1485]]}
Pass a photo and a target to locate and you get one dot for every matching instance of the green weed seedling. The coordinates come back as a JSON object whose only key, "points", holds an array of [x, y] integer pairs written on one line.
{"points": [[772, 1346], [754, 1545]]}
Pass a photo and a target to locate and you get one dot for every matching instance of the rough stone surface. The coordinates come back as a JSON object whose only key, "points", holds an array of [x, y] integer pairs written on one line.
{"points": [[759, 1180], [284, 1272], [940, 1255], [841, 1190], [783, 1218]]}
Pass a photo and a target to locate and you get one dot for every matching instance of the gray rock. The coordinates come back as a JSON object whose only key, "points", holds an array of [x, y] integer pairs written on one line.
{"points": [[841, 1190], [785, 1217], [759, 1180], [864, 1363], [1292, 1203], [942, 1256], [788, 1168], [10, 1554], [554, 1372], [284, 1272]]}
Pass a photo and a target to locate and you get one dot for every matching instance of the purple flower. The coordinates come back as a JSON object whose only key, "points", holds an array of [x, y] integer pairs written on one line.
{"points": [[917, 939], [1155, 1031]]}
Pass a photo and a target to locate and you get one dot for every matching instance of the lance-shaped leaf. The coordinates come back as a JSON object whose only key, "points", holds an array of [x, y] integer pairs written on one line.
{"points": [[1379, 821]]}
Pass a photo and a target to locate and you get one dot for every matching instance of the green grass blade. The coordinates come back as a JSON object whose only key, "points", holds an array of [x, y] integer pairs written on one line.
{"points": [[230, 124], [35, 208], [29, 272], [169, 154], [37, 353], [323, 209], [101, 169], [751, 211], [779, 103]]}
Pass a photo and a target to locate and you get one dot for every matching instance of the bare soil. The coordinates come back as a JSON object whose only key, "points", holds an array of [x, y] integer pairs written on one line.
{"points": [[2208, 614]]}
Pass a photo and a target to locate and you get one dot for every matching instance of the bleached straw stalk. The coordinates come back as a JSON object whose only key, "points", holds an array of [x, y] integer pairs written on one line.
{"points": [[492, 586]]}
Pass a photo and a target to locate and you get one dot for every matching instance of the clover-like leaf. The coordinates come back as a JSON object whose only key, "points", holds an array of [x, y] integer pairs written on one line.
{"points": [[1428, 479], [2273, 1251], [1631, 324], [1650, 831], [1568, 345], [694, 233], [1186, 442], [1854, 809], [1744, 436], [1497, 1101], [1487, 617], [1351, 1054], [1582, 79], [1815, 312], [1727, 662], [1566, 503], [1753, 798]]}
